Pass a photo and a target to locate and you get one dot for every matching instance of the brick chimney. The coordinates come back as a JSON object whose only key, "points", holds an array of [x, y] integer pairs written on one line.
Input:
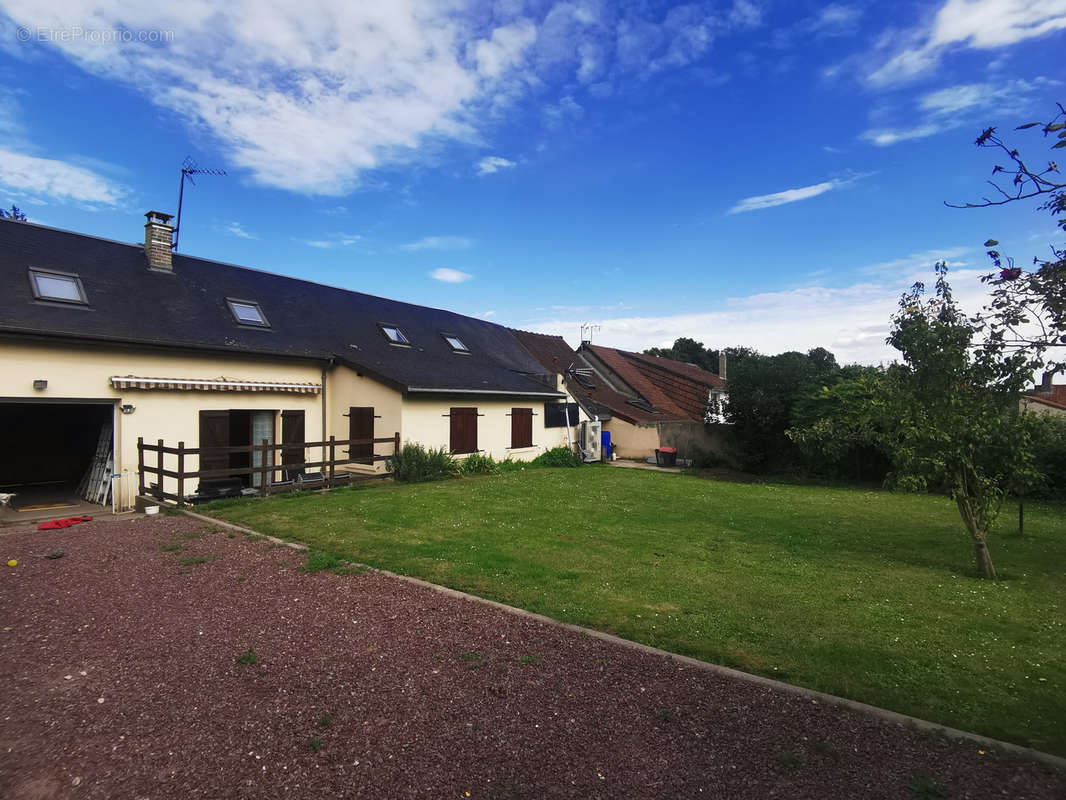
{"points": [[721, 364], [159, 240]]}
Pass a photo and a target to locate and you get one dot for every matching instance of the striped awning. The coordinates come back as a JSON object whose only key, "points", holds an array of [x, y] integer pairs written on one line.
{"points": [[212, 385]]}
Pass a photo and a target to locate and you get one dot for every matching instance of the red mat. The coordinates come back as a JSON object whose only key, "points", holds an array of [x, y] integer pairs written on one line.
{"points": [[62, 523]]}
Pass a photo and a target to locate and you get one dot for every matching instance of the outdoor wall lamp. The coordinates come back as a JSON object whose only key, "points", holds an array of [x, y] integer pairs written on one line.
{"points": [[127, 409], [40, 384]]}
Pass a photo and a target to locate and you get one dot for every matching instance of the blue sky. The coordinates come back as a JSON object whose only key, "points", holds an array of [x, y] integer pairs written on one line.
{"points": [[755, 173]]}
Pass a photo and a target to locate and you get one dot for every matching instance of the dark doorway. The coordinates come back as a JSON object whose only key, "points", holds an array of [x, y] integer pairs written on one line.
{"points": [[48, 448]]}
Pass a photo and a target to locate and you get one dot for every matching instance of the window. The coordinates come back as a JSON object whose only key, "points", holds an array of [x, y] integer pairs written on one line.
{"points": [[394, 334], [463, 430], [248, 312], [455, 343], [521, 427], [556, 414], [61, 286]]}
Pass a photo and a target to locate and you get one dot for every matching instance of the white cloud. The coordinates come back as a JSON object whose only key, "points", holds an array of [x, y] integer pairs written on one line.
{"points": [[312, 98], [439, 243], [851, 321], [237, 230], [504, 49], [950, 108], [884, 137], [980, 24], [490, 164], [450, 275], [57, 180], [762, 201], [334, 240]]}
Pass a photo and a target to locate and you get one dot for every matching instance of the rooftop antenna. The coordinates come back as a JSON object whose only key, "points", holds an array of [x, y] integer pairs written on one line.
{"points": [[188, 169], [587, 329]]}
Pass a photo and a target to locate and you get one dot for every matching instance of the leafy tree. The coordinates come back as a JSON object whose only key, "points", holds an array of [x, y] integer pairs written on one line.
{"points": [[14, 214], [845, 426], [956, 402], [1028, 308], [762, 393]]}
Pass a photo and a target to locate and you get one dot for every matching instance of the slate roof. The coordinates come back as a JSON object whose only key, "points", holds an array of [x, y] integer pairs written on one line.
{"points": [[131, 304]]}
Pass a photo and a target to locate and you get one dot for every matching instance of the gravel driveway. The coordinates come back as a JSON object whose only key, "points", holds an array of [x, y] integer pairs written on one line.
{"points": [[122, 678]]}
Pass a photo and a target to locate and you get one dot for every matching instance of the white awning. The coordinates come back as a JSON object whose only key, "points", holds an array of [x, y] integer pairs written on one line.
{"points": [[212, 385]]}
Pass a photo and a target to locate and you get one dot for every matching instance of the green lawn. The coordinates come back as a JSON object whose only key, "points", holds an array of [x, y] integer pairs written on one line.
{"points": [[864, 594]]}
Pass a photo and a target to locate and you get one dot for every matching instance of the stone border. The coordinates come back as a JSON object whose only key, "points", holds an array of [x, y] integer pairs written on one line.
{"points": [[727, 672]]}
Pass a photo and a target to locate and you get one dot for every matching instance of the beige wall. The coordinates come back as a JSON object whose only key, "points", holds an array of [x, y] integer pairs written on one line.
{"points": [[632, 441], [424, 421], [173, 416], [346, 388], [1041, 408]]}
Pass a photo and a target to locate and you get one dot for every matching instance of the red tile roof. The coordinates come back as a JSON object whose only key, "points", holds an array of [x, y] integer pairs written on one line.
{"points": [[555, 354]]}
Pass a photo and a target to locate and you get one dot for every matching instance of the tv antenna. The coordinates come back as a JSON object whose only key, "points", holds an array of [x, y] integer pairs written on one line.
{"points": [[587, 329], [188, 169]]}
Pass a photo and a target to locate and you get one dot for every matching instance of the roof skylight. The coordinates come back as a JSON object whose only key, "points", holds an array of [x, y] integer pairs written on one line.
{"points": [[456, 343], [61, 286], [394, 334], [248, 312]]}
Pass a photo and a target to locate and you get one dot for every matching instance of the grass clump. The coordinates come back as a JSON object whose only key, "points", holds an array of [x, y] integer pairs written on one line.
{"points": [[248, 657], [925, 787], [415, 464], [314, 744], [557, 457], [188, 561], [478, 464], [318, 560]]}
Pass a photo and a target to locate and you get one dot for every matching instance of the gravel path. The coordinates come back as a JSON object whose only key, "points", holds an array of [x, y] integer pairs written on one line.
{"points": [[120, 675]]}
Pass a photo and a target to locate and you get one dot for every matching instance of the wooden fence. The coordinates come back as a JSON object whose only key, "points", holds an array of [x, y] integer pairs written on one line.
{"points": [[267, 470]]}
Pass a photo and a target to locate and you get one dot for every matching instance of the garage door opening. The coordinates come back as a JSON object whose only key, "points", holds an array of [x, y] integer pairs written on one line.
{"points": [[55, 455]]}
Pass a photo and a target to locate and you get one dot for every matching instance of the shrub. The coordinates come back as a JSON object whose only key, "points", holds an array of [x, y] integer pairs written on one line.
{"points": [[557, 457], [416, 463], [510, 465], [478, 464]]}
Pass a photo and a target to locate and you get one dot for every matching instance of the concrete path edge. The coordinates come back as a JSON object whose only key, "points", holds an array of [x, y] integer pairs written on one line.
{"points": [[815, 696]]}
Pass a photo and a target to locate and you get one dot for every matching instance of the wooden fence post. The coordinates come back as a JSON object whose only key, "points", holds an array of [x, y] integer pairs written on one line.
{"points": [[181, 472], [263, 475], [140, 465], [396, 444], [159, 462], [332, 458]]}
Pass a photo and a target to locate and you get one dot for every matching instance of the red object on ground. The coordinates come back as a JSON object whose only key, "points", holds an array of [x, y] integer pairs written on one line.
{"points": [[53, 524]]}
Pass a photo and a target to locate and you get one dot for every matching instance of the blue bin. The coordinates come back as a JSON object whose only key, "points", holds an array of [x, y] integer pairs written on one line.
{"points": [[605, 443]]}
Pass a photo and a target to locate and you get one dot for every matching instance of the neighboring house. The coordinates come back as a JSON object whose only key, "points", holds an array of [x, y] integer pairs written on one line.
{"points": [[644, 402], [103, 342], [1047, 398]]}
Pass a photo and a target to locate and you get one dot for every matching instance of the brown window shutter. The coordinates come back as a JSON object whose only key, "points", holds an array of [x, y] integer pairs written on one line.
{"points": [[214, 432], [292, 432], [521, 427], [463, 430], [361, 426]]}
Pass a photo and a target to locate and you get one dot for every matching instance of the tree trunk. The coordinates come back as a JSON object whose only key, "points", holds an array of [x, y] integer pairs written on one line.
{"points": [[984, 560], [978, 533]]}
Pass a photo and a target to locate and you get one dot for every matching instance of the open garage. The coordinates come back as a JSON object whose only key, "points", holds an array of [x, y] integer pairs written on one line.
{"points": [[55, 455]]}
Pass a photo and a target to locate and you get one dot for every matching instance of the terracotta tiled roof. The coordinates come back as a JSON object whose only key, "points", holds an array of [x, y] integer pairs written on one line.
{"points": [[555, 354]]}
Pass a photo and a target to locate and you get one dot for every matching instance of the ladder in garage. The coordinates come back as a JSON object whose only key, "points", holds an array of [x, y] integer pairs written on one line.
{"points": [[96, 485]]}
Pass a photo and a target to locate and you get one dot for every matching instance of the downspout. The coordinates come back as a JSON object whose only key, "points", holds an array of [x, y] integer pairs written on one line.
{"points": [[327, 366]]}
